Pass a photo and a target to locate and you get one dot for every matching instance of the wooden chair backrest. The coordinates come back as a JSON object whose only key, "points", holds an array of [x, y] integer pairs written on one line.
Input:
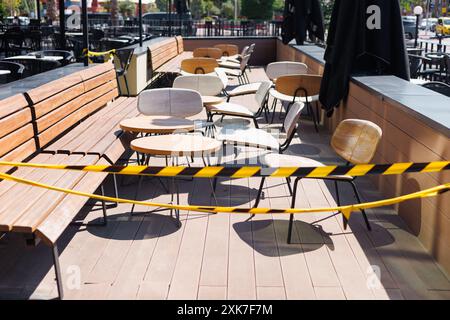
{"points": [[199, 65], [180, 44], [60, 104], [162, 52], [298, 85], [356, 140], [16, 130], [214, 53], [228, 49]]}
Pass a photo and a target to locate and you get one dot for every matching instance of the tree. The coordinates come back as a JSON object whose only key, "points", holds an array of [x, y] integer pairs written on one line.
{"points": [[197, 8], [27, 6], [126, 8], [51, 10], [114, 12], [11, 7], [228, 9], [211, 8], [257, 9], [161, 5]]}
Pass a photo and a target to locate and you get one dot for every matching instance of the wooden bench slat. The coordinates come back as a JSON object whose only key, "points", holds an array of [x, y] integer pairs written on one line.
{"points": [[14, 121], [65, 143], [14, 197], [12, 104], [47, 200], [93, 83], [115, 132], [48, 135], [96, 70], [52, 88], [67, 109], [45, 106], [20, 153], [16, 138], [109, 128], [57, 221], [6, 185]]}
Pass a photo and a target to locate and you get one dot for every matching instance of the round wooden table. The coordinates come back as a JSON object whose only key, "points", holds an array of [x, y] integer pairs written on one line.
{"points": [[157, 124], [176, 145], [211, 100]]}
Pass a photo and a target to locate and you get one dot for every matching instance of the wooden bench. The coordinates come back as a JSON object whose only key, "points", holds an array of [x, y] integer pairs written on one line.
{"points": [[73, 120], [166, 56]]}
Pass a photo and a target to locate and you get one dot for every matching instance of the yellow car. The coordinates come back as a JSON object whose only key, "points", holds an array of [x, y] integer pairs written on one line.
{"points": [[443, 26]]}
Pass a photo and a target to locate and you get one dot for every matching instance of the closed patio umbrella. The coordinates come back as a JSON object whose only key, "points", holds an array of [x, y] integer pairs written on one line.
{"points": [[365, 38], [302, 17]]}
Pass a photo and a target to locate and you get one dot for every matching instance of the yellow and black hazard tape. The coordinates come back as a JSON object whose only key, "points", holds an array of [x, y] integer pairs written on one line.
{"points": [[248, 172], [345, 210], [107, 54]]}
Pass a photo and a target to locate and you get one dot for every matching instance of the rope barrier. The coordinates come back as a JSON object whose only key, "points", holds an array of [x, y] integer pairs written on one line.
{"points": [[345, 210], [248, 172]]}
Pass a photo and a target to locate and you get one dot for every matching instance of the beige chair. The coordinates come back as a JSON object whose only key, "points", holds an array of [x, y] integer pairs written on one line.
{"points": [[283, 68], [239, 90], [237, 58], [209, 85], [258, 138], [356, 141], [181, 103], [199, 65], [228, 50], [214, 53], [293, 88], [241, 72]]}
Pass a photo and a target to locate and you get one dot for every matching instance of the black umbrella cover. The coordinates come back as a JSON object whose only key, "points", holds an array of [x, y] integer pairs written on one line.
{"points": [[366, 37], [302, 17]]}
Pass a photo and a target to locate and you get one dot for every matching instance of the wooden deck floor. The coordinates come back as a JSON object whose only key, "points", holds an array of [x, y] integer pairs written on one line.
{"points": [[228, 257]]}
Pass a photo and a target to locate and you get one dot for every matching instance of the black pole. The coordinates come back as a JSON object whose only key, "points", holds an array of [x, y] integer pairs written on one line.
{"points": [[38, 10], [62, 25], [170, 18], [417, 31], [84, 19], [140, 23]]}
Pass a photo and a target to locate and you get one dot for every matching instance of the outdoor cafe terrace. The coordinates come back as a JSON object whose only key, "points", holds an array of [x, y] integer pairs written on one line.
{"points": [[77, 115]]}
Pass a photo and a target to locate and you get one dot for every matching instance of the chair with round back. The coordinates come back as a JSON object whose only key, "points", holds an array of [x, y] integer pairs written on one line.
{"points": [[355, 140], [439, 87], [239, 71], [262, 139], [67, 56], [212, 85], [199, 65], [181, 103], [16, 70], [206, 85], [277, 69], [228, 50], [298, 87], [35, 65], [251, 48], [14, 39], [214, 53]]}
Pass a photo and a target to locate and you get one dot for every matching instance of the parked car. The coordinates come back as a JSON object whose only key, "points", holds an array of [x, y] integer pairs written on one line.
{"points": [[429, 24], [409, 26], [443, 26]]}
